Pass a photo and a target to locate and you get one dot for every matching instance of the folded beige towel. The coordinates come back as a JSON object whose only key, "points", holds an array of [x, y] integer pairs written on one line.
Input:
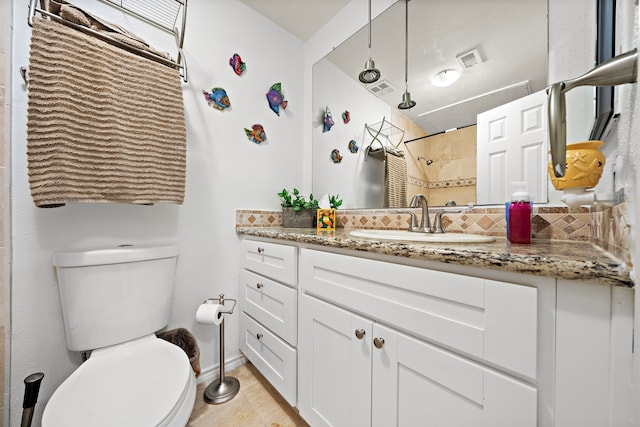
{"points": [[104, 125], [395, 181]]}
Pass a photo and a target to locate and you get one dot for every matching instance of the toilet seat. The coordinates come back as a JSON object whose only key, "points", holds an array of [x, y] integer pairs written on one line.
{"points": [[144, 382]]}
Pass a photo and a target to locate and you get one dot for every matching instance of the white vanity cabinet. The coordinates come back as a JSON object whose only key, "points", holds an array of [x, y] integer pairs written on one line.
{"points": [[356, 372], [354, 338], [268, 318], [367, 355]]}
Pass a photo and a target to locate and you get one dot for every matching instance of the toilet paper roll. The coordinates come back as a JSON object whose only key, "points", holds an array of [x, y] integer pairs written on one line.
{"points": [[209, 314]]}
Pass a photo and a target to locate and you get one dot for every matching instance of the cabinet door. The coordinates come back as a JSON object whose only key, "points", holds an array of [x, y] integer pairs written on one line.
{"points": [[417, 384], [334, 374]]}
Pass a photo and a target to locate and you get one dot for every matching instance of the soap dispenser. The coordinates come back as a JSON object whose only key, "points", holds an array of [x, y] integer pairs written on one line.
{"points": [[519, 215]]}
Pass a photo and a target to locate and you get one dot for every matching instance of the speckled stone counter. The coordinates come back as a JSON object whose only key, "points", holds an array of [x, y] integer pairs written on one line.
{"points": [[552, 258]]}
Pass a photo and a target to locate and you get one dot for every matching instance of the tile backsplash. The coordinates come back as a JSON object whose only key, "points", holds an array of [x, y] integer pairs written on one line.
{"points": [[605, 226]]}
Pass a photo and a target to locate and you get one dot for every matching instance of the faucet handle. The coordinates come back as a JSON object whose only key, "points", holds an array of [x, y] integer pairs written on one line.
{"points": [[414, 221], [413, 225], [437, 222]]}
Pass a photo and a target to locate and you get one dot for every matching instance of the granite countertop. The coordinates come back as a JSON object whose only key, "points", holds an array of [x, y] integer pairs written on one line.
{"points": [[573, 260]]}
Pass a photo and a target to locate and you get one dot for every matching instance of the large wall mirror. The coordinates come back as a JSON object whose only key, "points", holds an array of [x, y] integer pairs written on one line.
{"points": [[500, 49]]}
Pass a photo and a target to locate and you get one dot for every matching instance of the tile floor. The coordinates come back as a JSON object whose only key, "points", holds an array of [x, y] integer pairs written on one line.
{"points": [[257, 404]]}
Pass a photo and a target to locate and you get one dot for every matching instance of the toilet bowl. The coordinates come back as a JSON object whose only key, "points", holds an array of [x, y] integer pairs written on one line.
{"points": [[113, 301], [144, 382]]}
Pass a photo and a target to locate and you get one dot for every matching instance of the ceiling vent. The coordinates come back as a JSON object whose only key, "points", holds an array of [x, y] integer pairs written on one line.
{"points": [[381, 88], [469, 59]]}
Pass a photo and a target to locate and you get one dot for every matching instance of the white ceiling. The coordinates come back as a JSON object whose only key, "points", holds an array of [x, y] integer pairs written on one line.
{"points": [[302, 18], [510, 35]]}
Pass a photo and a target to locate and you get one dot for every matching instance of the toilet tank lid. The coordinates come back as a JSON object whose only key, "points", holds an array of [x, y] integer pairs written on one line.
{"points": [[113, 255]]}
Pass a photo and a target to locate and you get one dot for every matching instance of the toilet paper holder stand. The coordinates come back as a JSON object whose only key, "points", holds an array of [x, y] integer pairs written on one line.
{"points": [[225, 387], [221, 300]]}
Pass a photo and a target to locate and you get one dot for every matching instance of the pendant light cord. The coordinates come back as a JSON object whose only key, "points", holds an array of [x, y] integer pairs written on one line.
{"points": [[370, 74], [407, 102], [369, 29], [406, 45]]}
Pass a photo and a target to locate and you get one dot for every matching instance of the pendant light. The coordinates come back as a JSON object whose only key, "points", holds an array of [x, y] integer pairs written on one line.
{"points": [[370, 74], [407, 102]]}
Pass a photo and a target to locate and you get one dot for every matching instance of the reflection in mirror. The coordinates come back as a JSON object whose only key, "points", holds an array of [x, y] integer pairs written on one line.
{"points": [[498, 46]]}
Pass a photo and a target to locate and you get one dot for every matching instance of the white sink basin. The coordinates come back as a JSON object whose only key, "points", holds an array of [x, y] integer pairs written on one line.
{"points": [[421, 237]]}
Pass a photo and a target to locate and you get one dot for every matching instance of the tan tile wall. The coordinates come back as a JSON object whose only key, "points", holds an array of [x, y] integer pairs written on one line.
{"points": [[417, 172], [452, 175], [610, 230]]}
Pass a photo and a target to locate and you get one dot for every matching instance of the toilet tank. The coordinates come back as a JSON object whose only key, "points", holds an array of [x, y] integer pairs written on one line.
{"points": [[113, 295]]}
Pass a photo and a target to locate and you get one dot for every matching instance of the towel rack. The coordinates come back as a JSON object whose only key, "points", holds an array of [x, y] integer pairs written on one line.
{"points": [[163, 14], [387, 130]]}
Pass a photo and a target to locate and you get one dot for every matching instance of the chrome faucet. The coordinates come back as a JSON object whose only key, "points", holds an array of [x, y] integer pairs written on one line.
{"points": [[425, 225]]}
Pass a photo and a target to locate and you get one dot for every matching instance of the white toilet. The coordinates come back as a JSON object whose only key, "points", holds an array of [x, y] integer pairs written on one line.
{"points": [[113, 300]]}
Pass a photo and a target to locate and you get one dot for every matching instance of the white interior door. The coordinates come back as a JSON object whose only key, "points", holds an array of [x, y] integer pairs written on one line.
{"points": [[512, 146]]}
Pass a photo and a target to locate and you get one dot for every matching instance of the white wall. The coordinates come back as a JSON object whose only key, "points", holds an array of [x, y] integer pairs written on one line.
{"points": [[225, 171], [349, 20], [358, 182]]}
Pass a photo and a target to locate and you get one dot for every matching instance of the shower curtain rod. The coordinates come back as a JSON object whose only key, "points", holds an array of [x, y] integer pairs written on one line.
{"points": [[433, 134]]}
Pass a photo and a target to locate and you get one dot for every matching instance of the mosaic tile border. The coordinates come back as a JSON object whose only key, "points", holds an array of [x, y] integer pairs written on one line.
{"points": [[548, 223], [452, 183], [604, 226], [258, 218]]}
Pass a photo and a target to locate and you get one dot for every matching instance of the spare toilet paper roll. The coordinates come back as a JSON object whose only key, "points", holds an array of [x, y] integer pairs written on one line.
{"points": [[209, 314]]}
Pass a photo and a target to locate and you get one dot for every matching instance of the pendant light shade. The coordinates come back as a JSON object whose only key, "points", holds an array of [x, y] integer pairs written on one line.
{"points": [[370, 74], [407, 102]]}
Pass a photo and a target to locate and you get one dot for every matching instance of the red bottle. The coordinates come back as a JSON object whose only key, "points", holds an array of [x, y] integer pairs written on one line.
{"points": [[520, 216]]}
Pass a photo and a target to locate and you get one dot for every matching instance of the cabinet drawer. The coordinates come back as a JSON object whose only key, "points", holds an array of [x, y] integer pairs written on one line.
{"points": [[272, 304], [274, 358], [278, 262], [490, 320]]}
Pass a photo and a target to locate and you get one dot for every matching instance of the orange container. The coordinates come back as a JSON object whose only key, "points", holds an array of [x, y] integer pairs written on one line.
{"points": [[326, 219]]}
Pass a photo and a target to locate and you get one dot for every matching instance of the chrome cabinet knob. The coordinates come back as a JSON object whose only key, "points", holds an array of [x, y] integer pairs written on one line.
{"points": [[378, 342], [259, 336], [360, 333], [259, 285], [260, 250]]}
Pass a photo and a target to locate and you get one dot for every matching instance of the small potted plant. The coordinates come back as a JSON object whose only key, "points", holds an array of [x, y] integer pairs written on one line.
{"points": [[334, 201], [297, 211]]}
